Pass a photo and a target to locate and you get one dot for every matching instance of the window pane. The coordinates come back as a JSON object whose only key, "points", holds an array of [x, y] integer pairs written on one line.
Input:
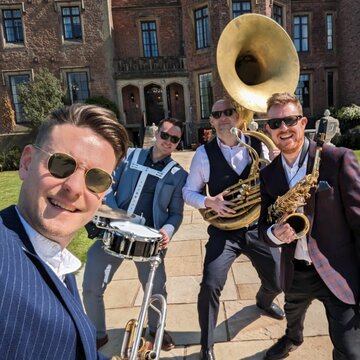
{"points": [[240, 8], [71, 23], [12, 24], [329, 31], [14, 81], [277, 14], [205, 88], [303, 90], [78, 86], [301, 37], [202, 28], [149, 37]]}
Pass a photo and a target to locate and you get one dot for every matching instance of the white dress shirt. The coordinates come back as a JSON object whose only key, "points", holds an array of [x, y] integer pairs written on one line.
{"points": [[236, 156], [294, 174], [62, 262]]}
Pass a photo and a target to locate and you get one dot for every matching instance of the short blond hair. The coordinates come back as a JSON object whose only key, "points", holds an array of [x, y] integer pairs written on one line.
{"points": [[283, 99]]}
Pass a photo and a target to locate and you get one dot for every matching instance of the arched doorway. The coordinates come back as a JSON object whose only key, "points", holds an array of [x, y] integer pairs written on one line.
{"points": [[154, 104], [175, 97]]}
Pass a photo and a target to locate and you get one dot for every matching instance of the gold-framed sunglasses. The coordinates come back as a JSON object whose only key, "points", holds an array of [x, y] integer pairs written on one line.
{"points": [[61, 166]]}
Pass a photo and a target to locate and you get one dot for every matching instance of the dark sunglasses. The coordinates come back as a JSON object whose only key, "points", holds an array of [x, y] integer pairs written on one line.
{"points": [[291, 120], [165, 136], [226, 112], [62, 165]]}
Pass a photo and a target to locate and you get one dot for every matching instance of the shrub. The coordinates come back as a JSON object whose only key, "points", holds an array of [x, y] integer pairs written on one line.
{"points": [[10, 160], [349, 117], [41, 96], [104, 102]]}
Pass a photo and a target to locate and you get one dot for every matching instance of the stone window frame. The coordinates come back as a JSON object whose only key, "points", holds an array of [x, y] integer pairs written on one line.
{"points": [[64, 71], [59, 4], [242, 12], [309, 22], [14, 6], [5, 78], [283, 15]]}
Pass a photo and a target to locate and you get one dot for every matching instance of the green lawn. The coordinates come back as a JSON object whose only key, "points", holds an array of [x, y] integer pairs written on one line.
{"points": [[10, 185]]}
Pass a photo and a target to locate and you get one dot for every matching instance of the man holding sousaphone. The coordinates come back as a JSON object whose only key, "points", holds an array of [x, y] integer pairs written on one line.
{"points": [[311, 209], [220, 164], [148, 186]]}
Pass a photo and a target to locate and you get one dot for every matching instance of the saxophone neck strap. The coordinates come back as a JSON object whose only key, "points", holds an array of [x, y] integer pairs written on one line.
{"points": [[304, 151]]}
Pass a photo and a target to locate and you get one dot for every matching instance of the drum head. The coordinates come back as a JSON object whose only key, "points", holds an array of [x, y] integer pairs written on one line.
{"points": [[140, 231]]}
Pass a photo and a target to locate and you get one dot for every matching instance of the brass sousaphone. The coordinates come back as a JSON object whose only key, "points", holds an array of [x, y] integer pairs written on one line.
{"points": [[255, 59]]}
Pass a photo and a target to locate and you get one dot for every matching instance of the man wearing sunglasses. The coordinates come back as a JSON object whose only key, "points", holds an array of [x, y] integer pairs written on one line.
{"points": [[148, 184], [323, 264], [65, 175], [219, 164]]}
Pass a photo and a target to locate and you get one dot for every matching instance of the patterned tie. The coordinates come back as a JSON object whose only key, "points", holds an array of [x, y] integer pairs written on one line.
{"points": [[333, 280]]}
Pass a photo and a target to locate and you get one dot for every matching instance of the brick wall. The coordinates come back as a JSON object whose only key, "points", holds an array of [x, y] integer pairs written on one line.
{"points": [[348, 41], [43, 46]]}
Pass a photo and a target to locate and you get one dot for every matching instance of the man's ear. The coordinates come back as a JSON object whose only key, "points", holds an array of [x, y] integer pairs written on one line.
{"points": [[304, 121], [267, 127], [25, 161], [211, 121]]}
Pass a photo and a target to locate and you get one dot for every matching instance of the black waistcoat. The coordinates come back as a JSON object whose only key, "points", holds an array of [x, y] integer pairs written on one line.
{"points": [[221, 174]]}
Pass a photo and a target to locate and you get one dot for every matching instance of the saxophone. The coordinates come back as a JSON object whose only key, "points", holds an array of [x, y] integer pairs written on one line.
{"points": [[284, 208]]}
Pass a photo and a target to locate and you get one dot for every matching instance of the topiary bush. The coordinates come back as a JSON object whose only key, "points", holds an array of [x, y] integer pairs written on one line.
{"points": [[10, 160], [349, 122], [7, 120], [349, 117], [104, 102]]}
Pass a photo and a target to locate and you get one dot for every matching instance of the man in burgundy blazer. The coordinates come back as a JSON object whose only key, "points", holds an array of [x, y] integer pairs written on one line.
{"points": [[323, 264]]}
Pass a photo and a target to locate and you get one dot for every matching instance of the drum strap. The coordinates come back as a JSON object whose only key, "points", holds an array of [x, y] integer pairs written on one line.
{"points": [[145, 171]]}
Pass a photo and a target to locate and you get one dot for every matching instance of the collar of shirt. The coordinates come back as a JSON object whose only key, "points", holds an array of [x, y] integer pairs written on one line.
{"points": [[62, 262], [293, 173], [237, 156], [161, 162]]}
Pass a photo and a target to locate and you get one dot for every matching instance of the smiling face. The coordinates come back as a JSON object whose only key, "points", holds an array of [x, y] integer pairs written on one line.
{"points": [[223, 124], [289, 139], [164, 148], [58, 208]]}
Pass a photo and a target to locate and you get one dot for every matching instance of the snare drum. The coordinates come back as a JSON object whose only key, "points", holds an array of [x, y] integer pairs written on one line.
{"points": [[127, 240]]}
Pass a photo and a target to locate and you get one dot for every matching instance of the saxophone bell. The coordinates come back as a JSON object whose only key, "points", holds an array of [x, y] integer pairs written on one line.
{"points": [[299, 222]]}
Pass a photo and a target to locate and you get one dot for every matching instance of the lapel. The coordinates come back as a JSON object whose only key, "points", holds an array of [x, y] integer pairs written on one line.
{"points": [[280, 184], [67, 296], [310, 204]]}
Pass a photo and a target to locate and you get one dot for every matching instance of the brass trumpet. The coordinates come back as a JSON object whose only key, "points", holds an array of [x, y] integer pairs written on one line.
{"points": [[134, 346]]}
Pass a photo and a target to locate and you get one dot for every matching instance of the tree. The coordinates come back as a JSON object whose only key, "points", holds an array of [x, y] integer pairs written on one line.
{"points": [[41, 96], [7, 122], [104, 102]]}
